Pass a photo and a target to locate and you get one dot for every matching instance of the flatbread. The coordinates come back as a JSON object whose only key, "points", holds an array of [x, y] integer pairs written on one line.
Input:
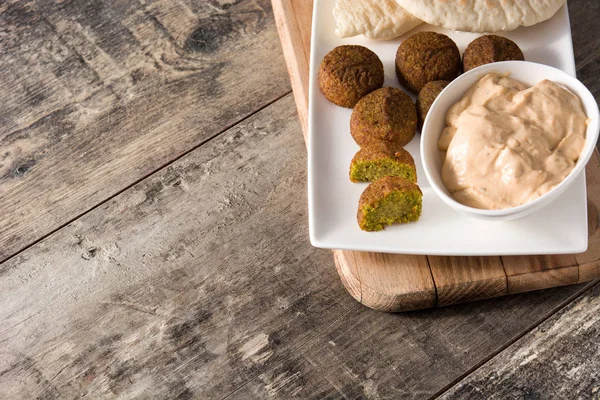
{"points": [[376, 19], [482, 15]]}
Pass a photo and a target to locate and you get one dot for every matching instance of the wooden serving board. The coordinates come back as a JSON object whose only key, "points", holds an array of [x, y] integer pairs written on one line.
{"points": [[394, 282]]}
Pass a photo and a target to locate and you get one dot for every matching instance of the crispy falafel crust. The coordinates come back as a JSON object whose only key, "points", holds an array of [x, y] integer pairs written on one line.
{"points": [[385, 115], [348, 73], [426, 57], [426, 97], [488, 49]]}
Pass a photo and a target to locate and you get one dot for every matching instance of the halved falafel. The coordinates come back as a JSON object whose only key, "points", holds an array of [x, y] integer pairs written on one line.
{"points": [[377, 160], [387, 201], [426, 97], [488, 49], [426, 57], [348, 73], [385, 115]]}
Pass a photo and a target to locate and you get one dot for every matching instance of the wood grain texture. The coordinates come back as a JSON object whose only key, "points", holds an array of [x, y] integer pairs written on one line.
{"points": [[586, 46], [188, 283], [294, 20], [97, 95], [593, 184], [400, 289], [456, 279], [461, 279], [199, 282], [559, 359], [538, 272]]}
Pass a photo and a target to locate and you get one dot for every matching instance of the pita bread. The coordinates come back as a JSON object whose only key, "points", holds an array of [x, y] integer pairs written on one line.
{"points": [[376, 19], [482, 15]]}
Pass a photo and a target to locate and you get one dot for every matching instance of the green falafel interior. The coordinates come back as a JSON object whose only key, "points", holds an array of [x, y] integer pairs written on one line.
{"points": [[397, 207], [388, 201], [382, 159], [369, 171]]}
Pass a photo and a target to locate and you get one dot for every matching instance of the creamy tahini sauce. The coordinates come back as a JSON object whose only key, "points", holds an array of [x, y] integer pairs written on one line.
{"points": [[505, 144]]}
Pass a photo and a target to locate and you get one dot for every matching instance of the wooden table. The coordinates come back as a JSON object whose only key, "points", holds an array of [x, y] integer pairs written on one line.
{"points": [[154, 239]]}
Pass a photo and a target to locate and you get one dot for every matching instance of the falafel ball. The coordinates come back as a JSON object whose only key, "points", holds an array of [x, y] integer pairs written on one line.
{"points": [[426, 57], [426, 97], [488, 49], [348, 73], [385, 115]]}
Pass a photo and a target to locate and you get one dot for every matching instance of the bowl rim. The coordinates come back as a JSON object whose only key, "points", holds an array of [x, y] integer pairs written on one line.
{"points": [[507, 67]]}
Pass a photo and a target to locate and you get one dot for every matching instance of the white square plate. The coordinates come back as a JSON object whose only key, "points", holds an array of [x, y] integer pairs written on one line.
{"points": [[559, 228]]}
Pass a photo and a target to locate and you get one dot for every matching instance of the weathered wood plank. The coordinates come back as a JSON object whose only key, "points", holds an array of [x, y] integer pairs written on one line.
{"points": [[558, 359], [200, 282], [96, 95], [197, 283], [585, 45], [114, 305], [411, 355]]}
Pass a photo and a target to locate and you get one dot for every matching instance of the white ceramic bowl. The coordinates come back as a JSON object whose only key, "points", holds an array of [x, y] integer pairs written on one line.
{"points": [[530, 74]]}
